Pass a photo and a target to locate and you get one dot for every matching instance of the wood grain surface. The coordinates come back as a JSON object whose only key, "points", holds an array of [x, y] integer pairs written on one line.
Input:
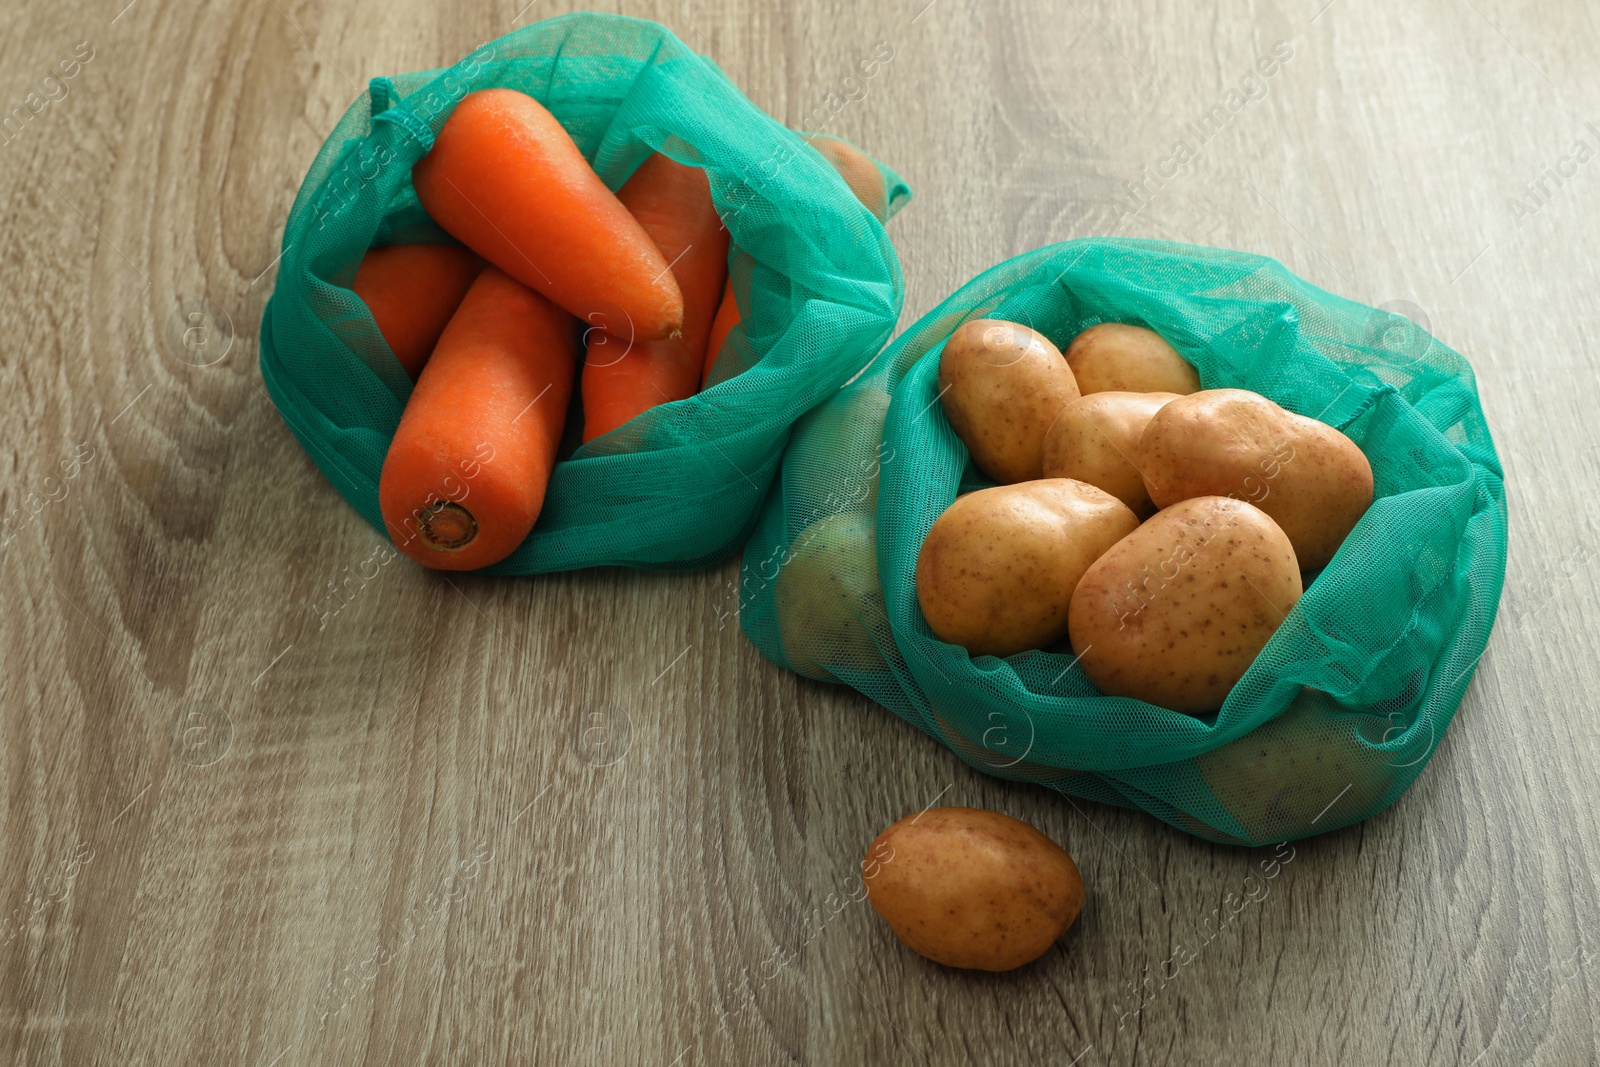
{"points": [[578, 820]]}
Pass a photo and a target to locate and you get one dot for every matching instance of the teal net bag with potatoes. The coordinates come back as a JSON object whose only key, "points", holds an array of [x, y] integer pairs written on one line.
{"points": [[1361, 659], [815, 279]]}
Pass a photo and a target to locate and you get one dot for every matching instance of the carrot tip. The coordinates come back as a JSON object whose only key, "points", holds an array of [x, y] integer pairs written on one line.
{"points": [[448, 526]]}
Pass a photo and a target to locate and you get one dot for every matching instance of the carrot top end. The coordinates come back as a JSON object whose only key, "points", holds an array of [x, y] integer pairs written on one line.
{"points": [[448, 527]]}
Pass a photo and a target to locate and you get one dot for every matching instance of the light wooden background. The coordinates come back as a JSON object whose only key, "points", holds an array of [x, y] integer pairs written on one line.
{"points": [[570, 820]]}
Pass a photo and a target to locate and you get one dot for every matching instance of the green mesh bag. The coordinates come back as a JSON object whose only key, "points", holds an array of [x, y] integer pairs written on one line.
{"points": [[1349, 699], [679, 487]]}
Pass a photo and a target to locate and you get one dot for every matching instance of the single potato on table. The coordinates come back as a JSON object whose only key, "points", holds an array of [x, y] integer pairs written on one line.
{"points": [[1175, 613], [1095, 439], [997, 570], [972, 888], [1112, 357], [1001, 386], [1313, 480]]}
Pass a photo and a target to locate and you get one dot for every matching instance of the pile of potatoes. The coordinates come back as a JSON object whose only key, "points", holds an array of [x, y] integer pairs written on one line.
{"points": [[1156, 530]]}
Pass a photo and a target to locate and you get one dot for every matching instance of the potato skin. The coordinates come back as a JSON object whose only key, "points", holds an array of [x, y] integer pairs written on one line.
{"points": [[832, 438], [1001, 386], [1175, 612], [827, 597], [1310, 769], [972, 888], [1313, 480], [997, 570], [1095, 439], [1112, 357]]}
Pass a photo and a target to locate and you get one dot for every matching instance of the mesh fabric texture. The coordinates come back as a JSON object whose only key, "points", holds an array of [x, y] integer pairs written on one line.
{"points": [[680, 486], [1350, 698]]}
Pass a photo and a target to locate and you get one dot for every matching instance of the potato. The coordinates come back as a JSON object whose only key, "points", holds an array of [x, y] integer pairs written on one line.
{"points": [[841, 442], [1308, 770], [972, 888], [1112, 357], [997, 570], [1095, 439], [1001, 386], [827, 598], [1175, 612], [1312, 479], [867, 412]]}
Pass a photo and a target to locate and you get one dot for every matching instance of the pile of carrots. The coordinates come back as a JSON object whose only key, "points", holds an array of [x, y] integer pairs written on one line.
{"points": [[555, 267]]}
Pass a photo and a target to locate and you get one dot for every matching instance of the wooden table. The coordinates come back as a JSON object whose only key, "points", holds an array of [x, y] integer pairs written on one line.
{"points": [[241, 829]]}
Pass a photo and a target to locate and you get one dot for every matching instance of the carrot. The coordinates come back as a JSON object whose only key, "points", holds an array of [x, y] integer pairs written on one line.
{"points": [[857, 169], [861, 174], [466, 473], [673, 204], [721, 326], [412, 290], [504, 178]]}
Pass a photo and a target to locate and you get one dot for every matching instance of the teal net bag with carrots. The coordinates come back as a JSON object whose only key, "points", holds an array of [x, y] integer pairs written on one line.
{"points": [[1212, 657], [580, 241]]}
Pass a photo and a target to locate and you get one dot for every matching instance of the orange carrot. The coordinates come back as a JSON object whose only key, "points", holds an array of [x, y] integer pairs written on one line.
{"points": [[861, 174], [506, 180], [412, 290], [673, 204], [466, 473], [857, 169], [721, 326]]}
